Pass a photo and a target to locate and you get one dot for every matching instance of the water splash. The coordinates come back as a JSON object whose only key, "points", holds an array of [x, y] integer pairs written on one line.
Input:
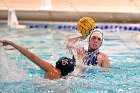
{"points": [[77, 47], [9, 72]]}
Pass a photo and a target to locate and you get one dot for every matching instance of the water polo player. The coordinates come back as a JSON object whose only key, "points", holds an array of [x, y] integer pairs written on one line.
{"points": [[63, 67], [92, 56]]}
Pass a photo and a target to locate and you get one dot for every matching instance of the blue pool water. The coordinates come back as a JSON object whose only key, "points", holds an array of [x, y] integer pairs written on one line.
{"points": [[24, 77]]}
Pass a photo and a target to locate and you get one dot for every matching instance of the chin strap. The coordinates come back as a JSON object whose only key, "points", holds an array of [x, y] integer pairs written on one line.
{"points": [[90, 50]]}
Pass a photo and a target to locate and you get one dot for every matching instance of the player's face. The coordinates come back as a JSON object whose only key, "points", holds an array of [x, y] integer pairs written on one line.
{"points": [[95, 42]]}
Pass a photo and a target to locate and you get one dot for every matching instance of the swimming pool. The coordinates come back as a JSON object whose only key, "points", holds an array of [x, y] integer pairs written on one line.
{"points": [[24, 77]]}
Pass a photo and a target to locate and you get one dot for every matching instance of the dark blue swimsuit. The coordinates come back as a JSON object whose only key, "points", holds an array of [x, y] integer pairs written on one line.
{"points": [[90, 58]]}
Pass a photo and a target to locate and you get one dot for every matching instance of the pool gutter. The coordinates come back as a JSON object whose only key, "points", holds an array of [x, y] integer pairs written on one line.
{"points": [[72, 16]]}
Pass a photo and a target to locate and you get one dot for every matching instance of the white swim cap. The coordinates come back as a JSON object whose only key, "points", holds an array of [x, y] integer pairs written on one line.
{"points": [[96, 32]]}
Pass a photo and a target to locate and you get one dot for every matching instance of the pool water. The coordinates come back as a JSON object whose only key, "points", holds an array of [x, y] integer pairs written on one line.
{"points": [[123, 76]]}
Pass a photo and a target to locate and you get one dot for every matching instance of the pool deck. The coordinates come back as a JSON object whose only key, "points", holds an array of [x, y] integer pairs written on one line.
{"points": [[120, 11]]}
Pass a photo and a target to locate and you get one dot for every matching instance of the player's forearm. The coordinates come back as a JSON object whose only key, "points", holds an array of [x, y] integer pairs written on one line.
{"points": [[75, 39], [23, 50], [31, 56]]}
